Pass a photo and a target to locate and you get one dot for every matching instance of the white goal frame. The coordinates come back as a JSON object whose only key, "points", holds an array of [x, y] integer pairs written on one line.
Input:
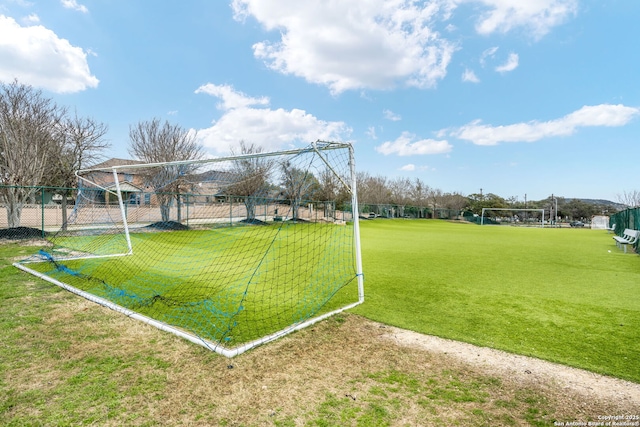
{"points": [[512, 210], [318, 147]]}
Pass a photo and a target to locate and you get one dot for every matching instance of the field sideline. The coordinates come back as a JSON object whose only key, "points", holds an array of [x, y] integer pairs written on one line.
{"points": [[563, 295]]}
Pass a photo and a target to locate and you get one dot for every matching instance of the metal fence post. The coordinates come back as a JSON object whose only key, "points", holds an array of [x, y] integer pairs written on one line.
{"points": [[42, 209]]}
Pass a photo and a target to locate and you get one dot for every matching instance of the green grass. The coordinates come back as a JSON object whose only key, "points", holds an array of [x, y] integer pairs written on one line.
{"points": [[40, 370], [564, 295], [382, 396], [228, 285], [555, 294], [66, 361]]}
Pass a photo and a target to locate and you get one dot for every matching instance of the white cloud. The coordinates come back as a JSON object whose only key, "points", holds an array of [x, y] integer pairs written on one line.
{"points": [[265, 127], [412, 168], [382, 44], [470, 76], [602, 115], [488, 53], [31, 19], [35, 55], [537, 16], [390, 115], [510, 65], [596, 115], [73, 4], [405, 145], [230, 97], [347, 45], [371, 132]]}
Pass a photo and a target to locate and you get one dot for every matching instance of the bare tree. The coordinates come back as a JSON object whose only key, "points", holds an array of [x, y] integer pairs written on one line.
{"points": [[454, 201], [250, 177], [363, 189], [435, 199], [372, 190], [297, 186], [399, 192], [378, 189], [80, 144], [419, 192], [156, 142], [630, 198], [28, 130], [329, 186], [331, 192]]}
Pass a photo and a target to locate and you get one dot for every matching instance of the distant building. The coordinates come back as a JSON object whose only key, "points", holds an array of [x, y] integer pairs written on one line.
{"points": [[204, 187], [130, 180]]}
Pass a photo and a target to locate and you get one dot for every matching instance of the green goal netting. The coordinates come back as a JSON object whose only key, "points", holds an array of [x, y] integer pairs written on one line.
{"points": [[229, 252]]}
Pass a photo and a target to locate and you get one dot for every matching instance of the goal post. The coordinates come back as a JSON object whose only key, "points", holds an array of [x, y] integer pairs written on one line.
{"points": [[514, 218], [229, 252]]}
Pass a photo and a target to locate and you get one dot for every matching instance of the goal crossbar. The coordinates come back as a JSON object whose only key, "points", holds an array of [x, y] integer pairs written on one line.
{"points": [[324, 145]]}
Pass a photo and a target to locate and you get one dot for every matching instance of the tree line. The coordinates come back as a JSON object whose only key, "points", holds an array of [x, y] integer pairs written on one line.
{"points": [[44, 144], [404, 192], [41, 143]]}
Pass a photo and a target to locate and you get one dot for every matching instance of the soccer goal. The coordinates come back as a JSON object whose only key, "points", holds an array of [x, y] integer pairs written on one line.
{"points": [[229, 253], [524, 217]]}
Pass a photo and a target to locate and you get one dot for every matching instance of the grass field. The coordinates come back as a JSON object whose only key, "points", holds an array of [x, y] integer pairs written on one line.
{"points": [[564, 295], [227, 285], [557, 294]]}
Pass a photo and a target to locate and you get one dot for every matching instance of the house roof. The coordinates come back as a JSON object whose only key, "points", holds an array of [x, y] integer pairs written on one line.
{"points": [[116, 162], [125, 187]]}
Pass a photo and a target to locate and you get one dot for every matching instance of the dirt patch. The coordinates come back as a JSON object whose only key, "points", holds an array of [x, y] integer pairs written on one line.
{"points": [[524, 369]]}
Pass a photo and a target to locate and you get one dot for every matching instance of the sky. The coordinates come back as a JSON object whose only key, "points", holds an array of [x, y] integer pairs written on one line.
{"points": [[519, 98]]}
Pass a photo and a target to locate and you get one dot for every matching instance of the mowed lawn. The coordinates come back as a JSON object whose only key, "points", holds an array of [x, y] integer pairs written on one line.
{"points": [[564, 295], [67, 361], [229, 285]]}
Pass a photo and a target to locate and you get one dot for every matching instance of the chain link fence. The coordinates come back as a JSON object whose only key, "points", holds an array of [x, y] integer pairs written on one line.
{"points": [[39, 212], [28, 212], [628, 218], [374, 210], [43, 210]]}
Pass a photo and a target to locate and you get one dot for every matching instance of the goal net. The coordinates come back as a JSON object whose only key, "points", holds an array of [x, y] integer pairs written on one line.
{"points": [[228, 252], [508, 216]]}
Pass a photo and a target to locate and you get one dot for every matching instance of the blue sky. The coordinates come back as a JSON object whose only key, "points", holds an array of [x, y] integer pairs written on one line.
{"points": [[513, 97]]}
